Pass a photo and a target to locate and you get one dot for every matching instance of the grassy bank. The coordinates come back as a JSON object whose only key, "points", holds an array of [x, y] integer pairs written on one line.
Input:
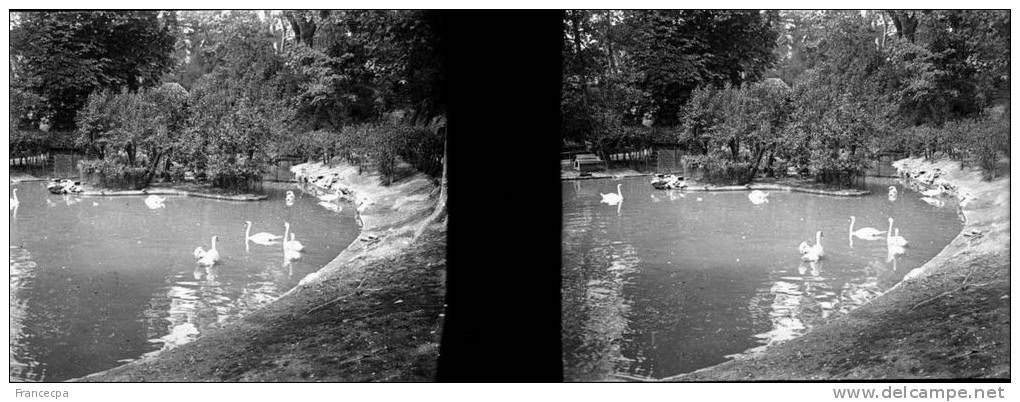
{"points": [[947, 319], [374, 313]]}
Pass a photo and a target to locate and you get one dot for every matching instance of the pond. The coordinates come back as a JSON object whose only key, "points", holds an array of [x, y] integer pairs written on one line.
{"points": [[100, 281], [668, 282]]}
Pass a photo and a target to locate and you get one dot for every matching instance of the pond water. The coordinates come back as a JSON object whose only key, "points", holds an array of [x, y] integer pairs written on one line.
{"points": [[100, 281], [668, 282]]}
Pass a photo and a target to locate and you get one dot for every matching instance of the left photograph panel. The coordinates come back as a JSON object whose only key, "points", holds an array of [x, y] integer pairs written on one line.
{"points": [[254, 195]]}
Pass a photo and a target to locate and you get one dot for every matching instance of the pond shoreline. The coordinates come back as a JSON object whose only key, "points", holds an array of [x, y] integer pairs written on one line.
{"points": [[790, 186], [173, 192], [373, 313], [947, 319]]}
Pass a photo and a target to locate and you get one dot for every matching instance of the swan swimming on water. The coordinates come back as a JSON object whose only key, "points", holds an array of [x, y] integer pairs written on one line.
{"points": [[758, 197], [864, 233], [293, 244], [814, 252], [613, 198], [155, 202], [263, 238], [210, 257], [14, 199], [892, 193], [896, 240], [289, 254], [289, 200]]}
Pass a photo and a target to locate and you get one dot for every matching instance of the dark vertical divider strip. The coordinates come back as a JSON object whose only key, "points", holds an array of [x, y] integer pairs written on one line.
{"points": [[503, 75]]}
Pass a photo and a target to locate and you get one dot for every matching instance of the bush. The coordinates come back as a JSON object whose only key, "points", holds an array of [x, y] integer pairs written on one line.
{"points": [[980, 140], [112, 175], [239, 174], [716, 170]]}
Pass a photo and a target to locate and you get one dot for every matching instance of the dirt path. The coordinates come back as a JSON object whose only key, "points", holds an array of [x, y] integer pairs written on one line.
{"points": [[947, 319], [372, 314]]}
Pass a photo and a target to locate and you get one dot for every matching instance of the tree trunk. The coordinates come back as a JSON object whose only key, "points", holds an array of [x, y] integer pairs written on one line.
{"points": [[130, 148], [905, 23], [757, 161], [151, 171], [303, 26]]}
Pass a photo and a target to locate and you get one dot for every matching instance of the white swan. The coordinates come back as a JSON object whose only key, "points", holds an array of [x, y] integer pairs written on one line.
{"points": [[613, 198], [263, 238], [934, 202], [896, 240], [289, 200], [289, 254], [892, 193], [758, 197], [812, 253], [155, 202], [209, 257], [293, 244], [14, 199], [864, 233]]}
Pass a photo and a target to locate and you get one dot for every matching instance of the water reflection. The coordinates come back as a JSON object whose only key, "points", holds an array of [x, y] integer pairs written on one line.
{"points": [[672, 287], [22, 272], [114, 285]]}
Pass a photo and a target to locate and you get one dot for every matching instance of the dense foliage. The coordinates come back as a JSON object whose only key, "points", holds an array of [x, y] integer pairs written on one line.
{"points": [[62, 57], [223, 95], [818, 92]]}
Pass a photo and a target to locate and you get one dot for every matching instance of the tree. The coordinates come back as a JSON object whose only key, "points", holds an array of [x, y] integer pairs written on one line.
{"points": [[64, 56], [680, 50]]}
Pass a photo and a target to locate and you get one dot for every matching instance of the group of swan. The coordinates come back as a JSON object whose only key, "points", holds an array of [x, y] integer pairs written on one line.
{"points": [[895, 242], [292, 248], [757, 197]]}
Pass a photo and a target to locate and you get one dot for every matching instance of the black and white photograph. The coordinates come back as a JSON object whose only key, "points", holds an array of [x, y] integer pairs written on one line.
{"points": [[233, 195], [745, 197], [785, 195]]}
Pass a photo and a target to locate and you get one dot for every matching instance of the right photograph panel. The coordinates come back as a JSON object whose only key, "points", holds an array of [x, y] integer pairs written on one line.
{"points": [[761, 195]]}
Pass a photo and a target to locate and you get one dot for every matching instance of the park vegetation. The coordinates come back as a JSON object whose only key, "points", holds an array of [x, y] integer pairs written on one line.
{"points": [[221, 95], [821, 93]]}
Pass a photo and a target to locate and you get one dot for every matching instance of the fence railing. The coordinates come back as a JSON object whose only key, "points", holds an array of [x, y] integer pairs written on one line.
{"points": [[52, 164]]}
